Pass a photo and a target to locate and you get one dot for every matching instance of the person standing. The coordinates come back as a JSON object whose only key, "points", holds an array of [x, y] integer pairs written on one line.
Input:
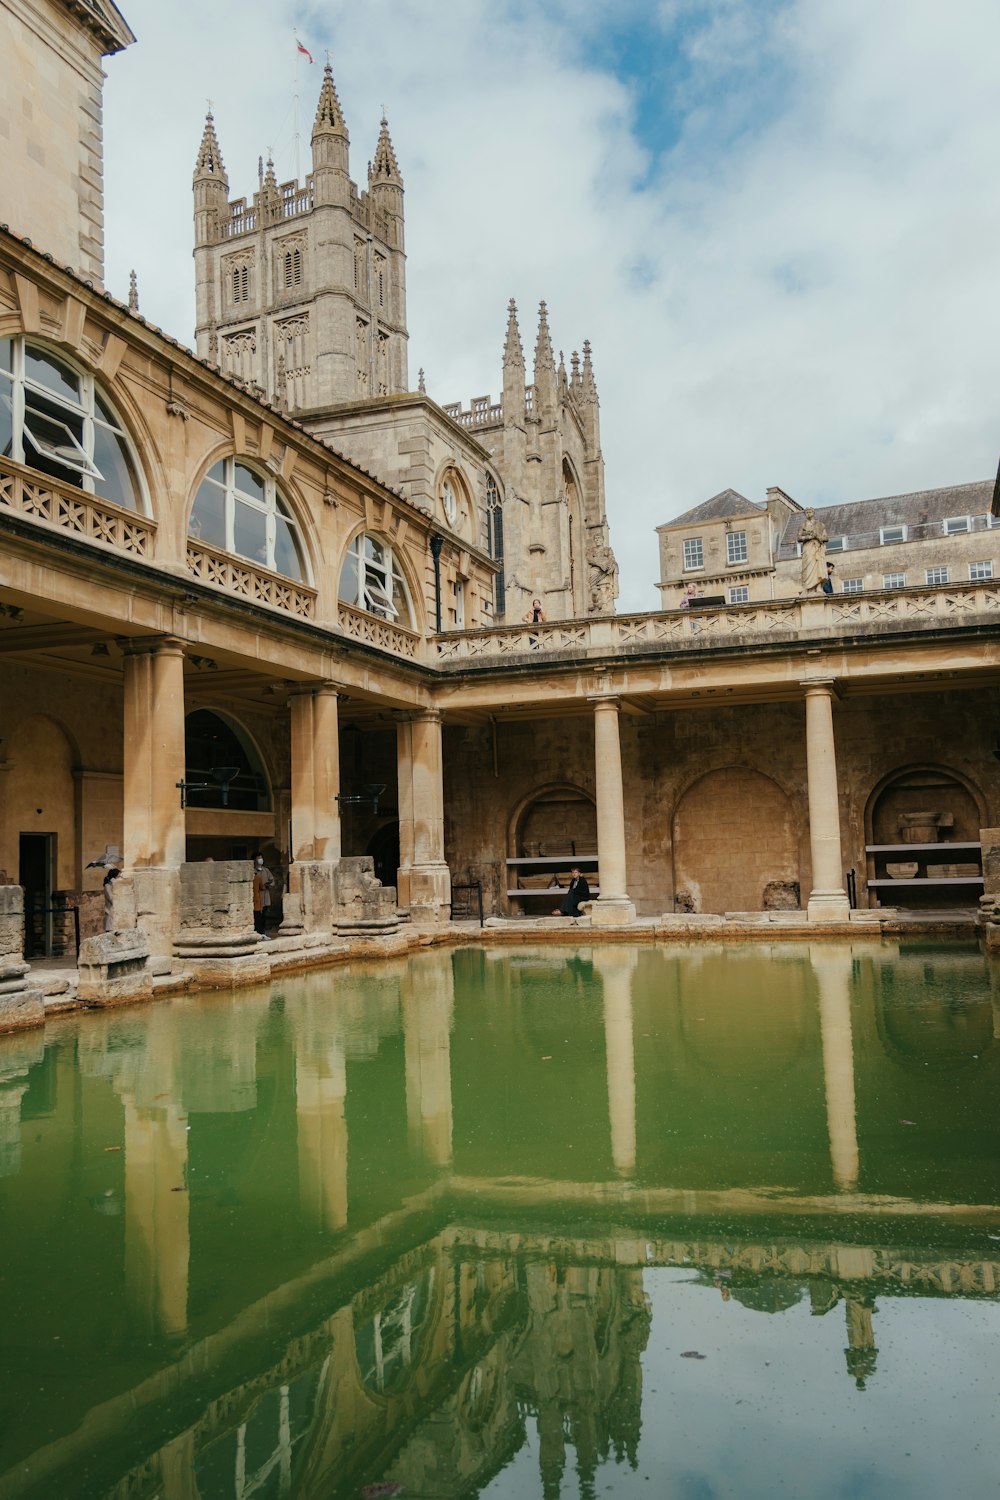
{"points": [[828, 580], [263, 880]]}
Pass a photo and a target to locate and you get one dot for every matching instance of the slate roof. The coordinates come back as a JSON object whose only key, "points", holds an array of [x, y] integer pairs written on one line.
{"points": [[725, 506], [861, 518]]}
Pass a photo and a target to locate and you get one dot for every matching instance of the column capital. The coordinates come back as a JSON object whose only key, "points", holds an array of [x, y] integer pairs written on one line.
{"points": [[427, 716], [154, 645], [605, 700], [321, 685], [827, 687]]}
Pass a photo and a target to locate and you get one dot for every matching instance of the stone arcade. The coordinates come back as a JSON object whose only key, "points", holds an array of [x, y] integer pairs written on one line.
{"points": [[272, 576]]}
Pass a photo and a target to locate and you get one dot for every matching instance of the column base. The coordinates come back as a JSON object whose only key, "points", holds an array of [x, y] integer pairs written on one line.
{"points": [[309, 901], [828, 906], [430, 895], [612, 911]]}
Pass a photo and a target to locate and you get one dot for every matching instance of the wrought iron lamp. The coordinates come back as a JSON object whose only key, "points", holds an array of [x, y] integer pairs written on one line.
{"points": [[371, 793], [222, 776]]}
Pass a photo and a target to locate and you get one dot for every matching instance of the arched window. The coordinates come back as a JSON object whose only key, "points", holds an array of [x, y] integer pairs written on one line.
{"points": [[494, 536], [54, 419], [240, 511], [213, 744], [371, 579]]}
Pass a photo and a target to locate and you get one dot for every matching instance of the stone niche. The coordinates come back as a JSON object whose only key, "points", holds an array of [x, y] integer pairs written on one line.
{"points": [[20, 1004], [216, 939]]}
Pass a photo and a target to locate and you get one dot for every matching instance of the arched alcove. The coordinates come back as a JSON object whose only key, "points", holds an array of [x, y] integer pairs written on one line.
{"points": [[215, 743], [39, 822], [735, 844], [922, 809], [555, 820]]}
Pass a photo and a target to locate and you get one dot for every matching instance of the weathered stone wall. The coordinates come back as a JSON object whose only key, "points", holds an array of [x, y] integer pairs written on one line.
{"points": [[715, 798], [51, 128]]}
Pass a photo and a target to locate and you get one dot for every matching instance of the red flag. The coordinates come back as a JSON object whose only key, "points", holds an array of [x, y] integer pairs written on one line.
{"points": [[304, 50]]}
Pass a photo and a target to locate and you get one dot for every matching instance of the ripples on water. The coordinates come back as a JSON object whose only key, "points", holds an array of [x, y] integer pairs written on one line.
{"points": [[706, 1221]]}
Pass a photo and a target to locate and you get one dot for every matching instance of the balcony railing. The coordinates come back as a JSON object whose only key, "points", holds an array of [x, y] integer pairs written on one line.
{"points": [[66, 508], [384, 635], [245, 581], [738, 624]]}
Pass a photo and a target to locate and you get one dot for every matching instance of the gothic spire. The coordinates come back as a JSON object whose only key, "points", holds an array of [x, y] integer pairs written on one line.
{"points": [[575, 378], [544, 357], [329, 116], [209, 162], [588, 382], [133, 292], [384, 168], [513, 354], [563, 382]]}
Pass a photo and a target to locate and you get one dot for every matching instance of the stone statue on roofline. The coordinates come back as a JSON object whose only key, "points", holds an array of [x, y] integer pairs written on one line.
{"points": [[813, 540]]}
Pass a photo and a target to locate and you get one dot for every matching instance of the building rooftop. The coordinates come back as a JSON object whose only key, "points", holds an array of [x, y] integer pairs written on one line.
{"points": [[726, 505], [859, 518]]}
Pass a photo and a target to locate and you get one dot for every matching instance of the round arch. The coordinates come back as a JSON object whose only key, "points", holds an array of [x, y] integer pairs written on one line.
{"points": [[460, 517], [734, 843], [351, 582], [226, 481], [905, 793], [557, 815], [214, 740], [63, 420]]}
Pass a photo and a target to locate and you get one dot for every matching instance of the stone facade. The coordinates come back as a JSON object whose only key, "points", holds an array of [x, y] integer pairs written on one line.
{"points": [[301, 296], [733, 551], [224, 638], [51, 124]]}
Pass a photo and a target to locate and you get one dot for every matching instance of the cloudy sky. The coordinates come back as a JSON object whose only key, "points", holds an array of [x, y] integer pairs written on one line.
{"points": [[776, 220]]}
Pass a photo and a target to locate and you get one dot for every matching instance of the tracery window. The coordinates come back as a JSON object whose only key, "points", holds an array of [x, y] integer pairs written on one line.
{"points": [[241, 511], [240, 283], [54, 419], [494, 539], [372, 579]]}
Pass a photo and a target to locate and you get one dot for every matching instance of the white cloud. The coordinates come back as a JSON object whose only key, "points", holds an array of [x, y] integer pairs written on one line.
{"points": [[799, 291]]}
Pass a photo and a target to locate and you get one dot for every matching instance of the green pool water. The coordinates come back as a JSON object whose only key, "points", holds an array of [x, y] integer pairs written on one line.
{"points": [[656, 1222]]}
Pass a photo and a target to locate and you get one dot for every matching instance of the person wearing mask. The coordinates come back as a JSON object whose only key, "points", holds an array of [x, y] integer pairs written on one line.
{"points": [[263, 880]]}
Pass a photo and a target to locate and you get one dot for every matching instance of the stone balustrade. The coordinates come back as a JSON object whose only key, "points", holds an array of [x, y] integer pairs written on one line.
{"points": [[737, 624], [67, 508], [245, 580], [384, 635]]}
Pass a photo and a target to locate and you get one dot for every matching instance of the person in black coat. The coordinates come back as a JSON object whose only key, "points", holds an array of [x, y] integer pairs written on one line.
{"points": [[577, 893]]}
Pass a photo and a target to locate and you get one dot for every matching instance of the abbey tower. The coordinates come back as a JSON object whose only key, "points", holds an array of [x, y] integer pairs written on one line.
{"points": [[301, 293], [301, 296]]}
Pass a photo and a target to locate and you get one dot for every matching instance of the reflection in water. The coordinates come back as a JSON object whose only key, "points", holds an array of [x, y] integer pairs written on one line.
{"points": [[542, 1226]]}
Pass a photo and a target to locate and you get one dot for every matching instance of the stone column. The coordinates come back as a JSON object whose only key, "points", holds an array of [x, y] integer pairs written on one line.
{"points": [[832, 967], [315, 846], [613, 908], [154, 762], [157, 1237], [828, 899], [20, 1004], [615, 966], [427, 1017], [425, 882], [321, 1126]]}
